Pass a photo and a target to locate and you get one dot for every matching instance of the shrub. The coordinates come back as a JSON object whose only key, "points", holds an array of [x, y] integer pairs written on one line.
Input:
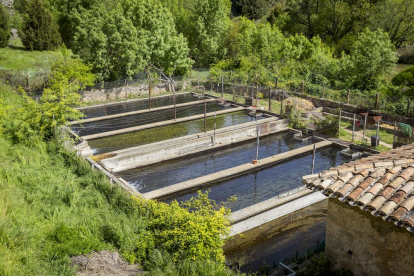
{"points": [[4, 27], [40, 31]]}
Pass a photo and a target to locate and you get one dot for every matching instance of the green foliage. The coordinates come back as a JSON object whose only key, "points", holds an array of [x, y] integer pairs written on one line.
{"points": [[405, 79], [40, 31], [4, 26], [121, 42], [252, 9], [162, 264], [329, 126], [53, 206], [372, 56]]}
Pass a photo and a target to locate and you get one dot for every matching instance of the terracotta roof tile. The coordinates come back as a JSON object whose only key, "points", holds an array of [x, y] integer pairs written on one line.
{"points": [[382, 183], [407, 187]]}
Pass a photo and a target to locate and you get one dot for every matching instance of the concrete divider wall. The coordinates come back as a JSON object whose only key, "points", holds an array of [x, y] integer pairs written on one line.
{"points": [[141, 156]]}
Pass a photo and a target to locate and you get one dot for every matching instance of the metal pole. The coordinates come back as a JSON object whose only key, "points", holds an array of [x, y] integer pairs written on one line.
{"points": [[393, 139], [149, 95], [339, 123], [215, 125], [234, 83], [205, 115], [313, 158], [257, 142], [175, 109], [222, 86], [365, 126], [376, 138], [353, 128], [270, 99]]}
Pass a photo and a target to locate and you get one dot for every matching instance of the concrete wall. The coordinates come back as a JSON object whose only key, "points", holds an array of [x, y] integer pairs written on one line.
{"points": [[281, 238], [123, 92], [367, 245], [140, 156]]}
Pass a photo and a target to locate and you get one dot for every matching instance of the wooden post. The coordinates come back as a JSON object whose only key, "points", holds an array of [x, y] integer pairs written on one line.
{"points": [[353, 128], [408, 107], [347, 95], [393, 138], [313, 158], [376, 101], [339, 123], [323, 91], [303, 86], [205, 115]]}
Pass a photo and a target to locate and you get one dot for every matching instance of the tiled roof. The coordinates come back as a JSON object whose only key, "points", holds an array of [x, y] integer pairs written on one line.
{"points": [[382, 184]]}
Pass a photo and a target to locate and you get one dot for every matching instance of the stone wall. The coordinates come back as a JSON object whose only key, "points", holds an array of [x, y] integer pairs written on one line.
{"points": [[366, 245], [123, 92]]}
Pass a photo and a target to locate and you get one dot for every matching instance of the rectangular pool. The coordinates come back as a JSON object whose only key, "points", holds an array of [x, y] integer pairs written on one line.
{"points": [[142, 104], [143, 119], [269, 182], [167, 173], [157, 134]]}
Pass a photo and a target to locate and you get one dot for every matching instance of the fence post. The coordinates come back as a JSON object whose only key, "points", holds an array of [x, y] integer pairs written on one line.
{"points": [[323, 91], [376, 101], [408, 107], [339, 123], [347, 95], [313, 158], [257, 143], [376, 137]]}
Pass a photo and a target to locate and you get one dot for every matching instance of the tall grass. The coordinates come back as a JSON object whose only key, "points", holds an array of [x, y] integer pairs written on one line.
{"points": [[54, 206]]}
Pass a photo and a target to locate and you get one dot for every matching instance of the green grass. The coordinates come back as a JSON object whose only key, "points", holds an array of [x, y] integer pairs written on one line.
{"points": [[18, 59], [54, 206], [384, 136], [346, 136]]}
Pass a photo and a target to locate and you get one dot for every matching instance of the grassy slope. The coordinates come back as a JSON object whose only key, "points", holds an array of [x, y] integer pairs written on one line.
{"points": [[53, 206], [16, 58]]}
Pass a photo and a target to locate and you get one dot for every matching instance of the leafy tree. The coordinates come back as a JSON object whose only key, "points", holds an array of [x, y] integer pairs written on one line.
{"points": [[396, 17], [252, 9], [4, 27], [372, 56], [40, 31], [405, 80], [123, 41]]}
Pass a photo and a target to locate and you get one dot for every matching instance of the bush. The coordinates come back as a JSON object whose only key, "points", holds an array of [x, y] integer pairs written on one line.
{"points": [[40, 31], [4, 27]]}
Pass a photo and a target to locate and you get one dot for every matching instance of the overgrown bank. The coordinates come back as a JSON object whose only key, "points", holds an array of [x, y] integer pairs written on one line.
{"points": [[53, 206]]}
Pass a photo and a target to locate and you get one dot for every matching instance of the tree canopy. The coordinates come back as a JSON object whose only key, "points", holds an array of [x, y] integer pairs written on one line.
{"points": [[4, 27]]}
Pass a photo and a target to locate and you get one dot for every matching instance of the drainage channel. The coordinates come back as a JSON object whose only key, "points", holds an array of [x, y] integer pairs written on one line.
{"points": [[170, 131], [264, 184], [144, 118], [160, 175], [135, 105]]}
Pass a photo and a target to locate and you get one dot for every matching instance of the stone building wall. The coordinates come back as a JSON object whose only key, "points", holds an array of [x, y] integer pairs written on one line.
{"points": [[367, 245]]}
